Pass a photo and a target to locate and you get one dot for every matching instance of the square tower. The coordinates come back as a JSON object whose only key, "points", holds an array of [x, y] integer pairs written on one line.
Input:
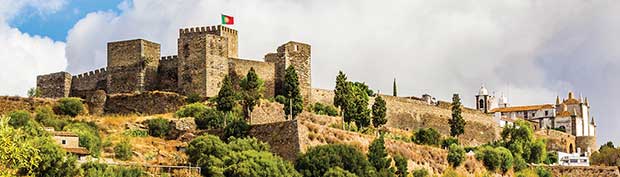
{"points": [[132, 66], [294, 54], [203, 60], [54, 85]]}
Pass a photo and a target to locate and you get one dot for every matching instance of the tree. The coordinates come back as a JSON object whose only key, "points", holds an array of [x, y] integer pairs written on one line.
{"points": [[292, 93], [210, 118], [552, 157], [321, 109], [428, 136], [226, 97], [253, 163], [252, 92], [537, 151], [70, 106], [54, 160], [609, 144], [338, 172], [378, 156], [19, 150], [456, 155], [401, 166], [317, 160], [606, 156], [193, 98], [420, 173], [445, 143], [123, 151], [191, 110], [237, 128], [159, 127], [34, 92], [378, 112], [340, 91], [19, 118], [394, 88], [489, 157], [506, 159], [207, 152], [457, 123]]}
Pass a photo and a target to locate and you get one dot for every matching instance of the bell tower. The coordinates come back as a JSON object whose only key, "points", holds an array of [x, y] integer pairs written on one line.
{"points": [[483, 100]]}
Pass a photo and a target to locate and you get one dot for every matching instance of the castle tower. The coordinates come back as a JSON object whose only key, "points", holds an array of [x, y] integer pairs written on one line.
{"points": [[203, 54], [483, 100], [132, 66], [294, 54]]}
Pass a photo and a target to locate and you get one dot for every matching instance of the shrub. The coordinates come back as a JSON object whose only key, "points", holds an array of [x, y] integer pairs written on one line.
{"points": [[321, 109], [136, 133], [420, 173], [122, 150], [445, 143], [401, 166], [506, 159], [210, 118], [95, 169], [518, 163], [489, 157], [191, 110], [19, 118], [70, 106], [237, 128], [552, 157], [281, 99], [543, 172], [46, 116], [317, 160], [88, 134], [193, 98], [425, 136], [338, 172], [456, 155], [159, 127]]}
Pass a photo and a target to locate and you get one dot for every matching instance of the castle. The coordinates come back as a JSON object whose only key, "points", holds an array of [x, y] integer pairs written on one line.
{"points": [[571, 115], [205, 56]]}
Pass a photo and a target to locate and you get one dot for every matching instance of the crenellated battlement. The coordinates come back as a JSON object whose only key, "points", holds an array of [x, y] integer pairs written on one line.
{"points": [[90, 73], [217, 30], [167, 58]]}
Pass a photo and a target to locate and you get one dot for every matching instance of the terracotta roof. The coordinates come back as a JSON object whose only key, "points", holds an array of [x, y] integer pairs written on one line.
{"points": [[572, 101], [78, 150], [63, 133], [523, 108]]}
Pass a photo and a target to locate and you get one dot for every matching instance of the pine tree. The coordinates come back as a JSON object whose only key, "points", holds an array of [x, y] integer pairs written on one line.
{"points": [[292, 93], [361, 113], [340, 91], [394, 93], [378, 112], [252, 87], [457, 123], [226, 97], [377, 155]]}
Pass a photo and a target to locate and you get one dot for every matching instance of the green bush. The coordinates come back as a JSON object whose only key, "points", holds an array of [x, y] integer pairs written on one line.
{"points": [[318, 160], [338, 172], [552, 157], [136, 133], [193, 98], [45, 116], [191, 110], [210, 118], [489, 157], [70, 106], [543, 172], [518, 163], [425, 136], [506, 159], [420, 173], [321, 109], [401, 166], [95, 169], [159, 127], [19, 118], [445, 143], [88, 133], [123, 151], [456, 155], [281, 99], [237, 128]]}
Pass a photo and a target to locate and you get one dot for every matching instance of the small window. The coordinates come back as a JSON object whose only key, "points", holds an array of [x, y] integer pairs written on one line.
{"points": [[546, 113], [533, 114], [64, 141]]}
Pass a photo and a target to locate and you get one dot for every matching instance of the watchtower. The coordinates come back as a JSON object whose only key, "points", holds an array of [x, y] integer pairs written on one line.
{"points": [[132, 66], [294, 54], [203, 54]]}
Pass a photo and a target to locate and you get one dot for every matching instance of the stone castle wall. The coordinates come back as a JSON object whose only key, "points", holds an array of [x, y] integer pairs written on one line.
{"points": [[283, 137], [265, 70], [590, 171], [203, 63], [54, 85], [585, 142], [167, 73], [132, 66], [556, 140], [150, 102], [86, 84], [297, 55]]}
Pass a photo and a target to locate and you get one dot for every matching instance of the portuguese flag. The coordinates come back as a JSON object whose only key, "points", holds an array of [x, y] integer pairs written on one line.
{"points": [[227, 20]]}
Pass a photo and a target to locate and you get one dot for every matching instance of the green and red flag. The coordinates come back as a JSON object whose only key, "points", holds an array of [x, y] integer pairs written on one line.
{"points": [[227, 20]]}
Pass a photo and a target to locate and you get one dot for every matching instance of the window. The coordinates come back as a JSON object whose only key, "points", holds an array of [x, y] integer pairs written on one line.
{"points": [[533, 114], [546, 113], [481, 103], [295, 47], [64, 141]]}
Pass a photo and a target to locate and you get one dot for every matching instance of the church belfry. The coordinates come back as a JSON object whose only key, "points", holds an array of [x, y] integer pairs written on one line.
{"points": [[484, 100]]}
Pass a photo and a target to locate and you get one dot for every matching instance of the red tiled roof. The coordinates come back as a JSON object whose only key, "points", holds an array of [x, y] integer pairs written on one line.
{"points": [[523, 108], [79, 150]]}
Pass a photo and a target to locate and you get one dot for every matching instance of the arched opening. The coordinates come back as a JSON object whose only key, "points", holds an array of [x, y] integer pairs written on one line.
{"points": [[481, 103], [570, 149]]}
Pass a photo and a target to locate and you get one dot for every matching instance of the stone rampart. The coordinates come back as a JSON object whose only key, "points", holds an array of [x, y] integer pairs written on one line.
{"points": [[87, 83], [283, 137], [167, 73], [556, 140], [266, 71], [268, 112], [54, 85], [590, 171], [152, 102], [585, 143]]}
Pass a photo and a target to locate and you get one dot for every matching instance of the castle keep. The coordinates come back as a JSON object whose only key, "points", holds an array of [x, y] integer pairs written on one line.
{"points": [[205, 56]]}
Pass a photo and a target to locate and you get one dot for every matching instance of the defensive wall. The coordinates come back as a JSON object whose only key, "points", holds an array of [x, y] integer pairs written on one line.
{"points": [[556, 140], [589, 171]]}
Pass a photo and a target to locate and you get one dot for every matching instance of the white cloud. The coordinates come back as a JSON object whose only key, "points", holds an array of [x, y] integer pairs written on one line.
{"points": [[437, 47], [24, 56]]}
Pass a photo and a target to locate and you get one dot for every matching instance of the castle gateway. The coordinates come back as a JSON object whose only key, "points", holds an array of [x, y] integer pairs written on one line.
{"points": [[205, 56]]}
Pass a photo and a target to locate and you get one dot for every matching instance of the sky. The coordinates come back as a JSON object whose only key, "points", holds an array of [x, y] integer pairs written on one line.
{"points": [[529, 50]]}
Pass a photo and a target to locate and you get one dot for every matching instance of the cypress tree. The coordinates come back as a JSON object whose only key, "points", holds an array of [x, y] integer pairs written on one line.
{"points": [[394, 93], [378, 112], [377, 155], [226, 97], [340, 91], [457, 123], [292, 93], [251, 86], [401, 166]]}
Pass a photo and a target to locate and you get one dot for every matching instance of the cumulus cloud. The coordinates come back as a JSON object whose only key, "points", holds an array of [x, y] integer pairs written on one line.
{"points": [[530, 50], [24, 56]]}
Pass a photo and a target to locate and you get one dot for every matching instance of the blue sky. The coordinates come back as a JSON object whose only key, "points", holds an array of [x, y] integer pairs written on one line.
{"points": [[56, 25]]}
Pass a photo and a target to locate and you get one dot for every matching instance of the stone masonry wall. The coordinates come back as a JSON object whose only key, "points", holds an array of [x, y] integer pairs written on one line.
{"points": [[167, 73], [132, 66], [283, 137], [13, 103], [203, 62], [585, 142], [268, 112], [83, 85], [150, 102], [410, 115], [590, 171], [265, 70], [556, 140], [54, 85]]}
